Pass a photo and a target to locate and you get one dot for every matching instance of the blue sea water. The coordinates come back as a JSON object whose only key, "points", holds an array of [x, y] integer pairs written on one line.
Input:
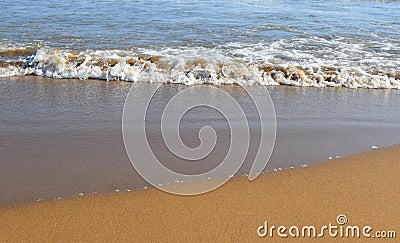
{"points": [[335, 43]]}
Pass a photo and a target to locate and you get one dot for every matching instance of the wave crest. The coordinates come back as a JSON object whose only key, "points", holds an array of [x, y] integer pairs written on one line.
{"points": [[192, 67]]}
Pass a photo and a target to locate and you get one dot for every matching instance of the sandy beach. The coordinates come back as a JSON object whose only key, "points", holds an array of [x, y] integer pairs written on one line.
{"points": [[101, 100], [363, 187]]}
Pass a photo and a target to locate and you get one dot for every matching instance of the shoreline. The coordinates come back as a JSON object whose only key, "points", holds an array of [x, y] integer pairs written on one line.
{"points": [[363, 186], [71, 135]]}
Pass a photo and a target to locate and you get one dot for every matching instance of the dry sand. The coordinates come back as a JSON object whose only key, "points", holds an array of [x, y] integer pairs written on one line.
{"points": [[365, 187]]}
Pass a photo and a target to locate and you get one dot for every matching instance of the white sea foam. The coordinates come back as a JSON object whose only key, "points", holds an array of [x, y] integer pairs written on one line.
{"points": [[311, 62]]}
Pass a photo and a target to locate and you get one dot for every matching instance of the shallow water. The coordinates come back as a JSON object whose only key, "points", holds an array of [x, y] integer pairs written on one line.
{"points": [[59, 138], [301, 43], [135, 24]]}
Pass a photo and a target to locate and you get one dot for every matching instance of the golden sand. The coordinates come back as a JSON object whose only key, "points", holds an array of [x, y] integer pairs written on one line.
{"points": [[364, 187]]}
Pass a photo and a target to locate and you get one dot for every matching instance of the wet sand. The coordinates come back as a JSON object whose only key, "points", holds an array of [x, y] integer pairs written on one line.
{"points": [[61, 137], [364, 187]]}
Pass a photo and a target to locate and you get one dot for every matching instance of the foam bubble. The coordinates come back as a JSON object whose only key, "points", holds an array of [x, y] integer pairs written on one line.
{"points": [[304, 62]]}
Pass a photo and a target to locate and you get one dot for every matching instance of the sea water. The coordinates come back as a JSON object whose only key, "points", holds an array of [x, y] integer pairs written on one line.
{"points": [[350, 44]]}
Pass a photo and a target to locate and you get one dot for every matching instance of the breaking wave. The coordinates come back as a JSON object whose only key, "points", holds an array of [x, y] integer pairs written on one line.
{"points": [[296, 65]]}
